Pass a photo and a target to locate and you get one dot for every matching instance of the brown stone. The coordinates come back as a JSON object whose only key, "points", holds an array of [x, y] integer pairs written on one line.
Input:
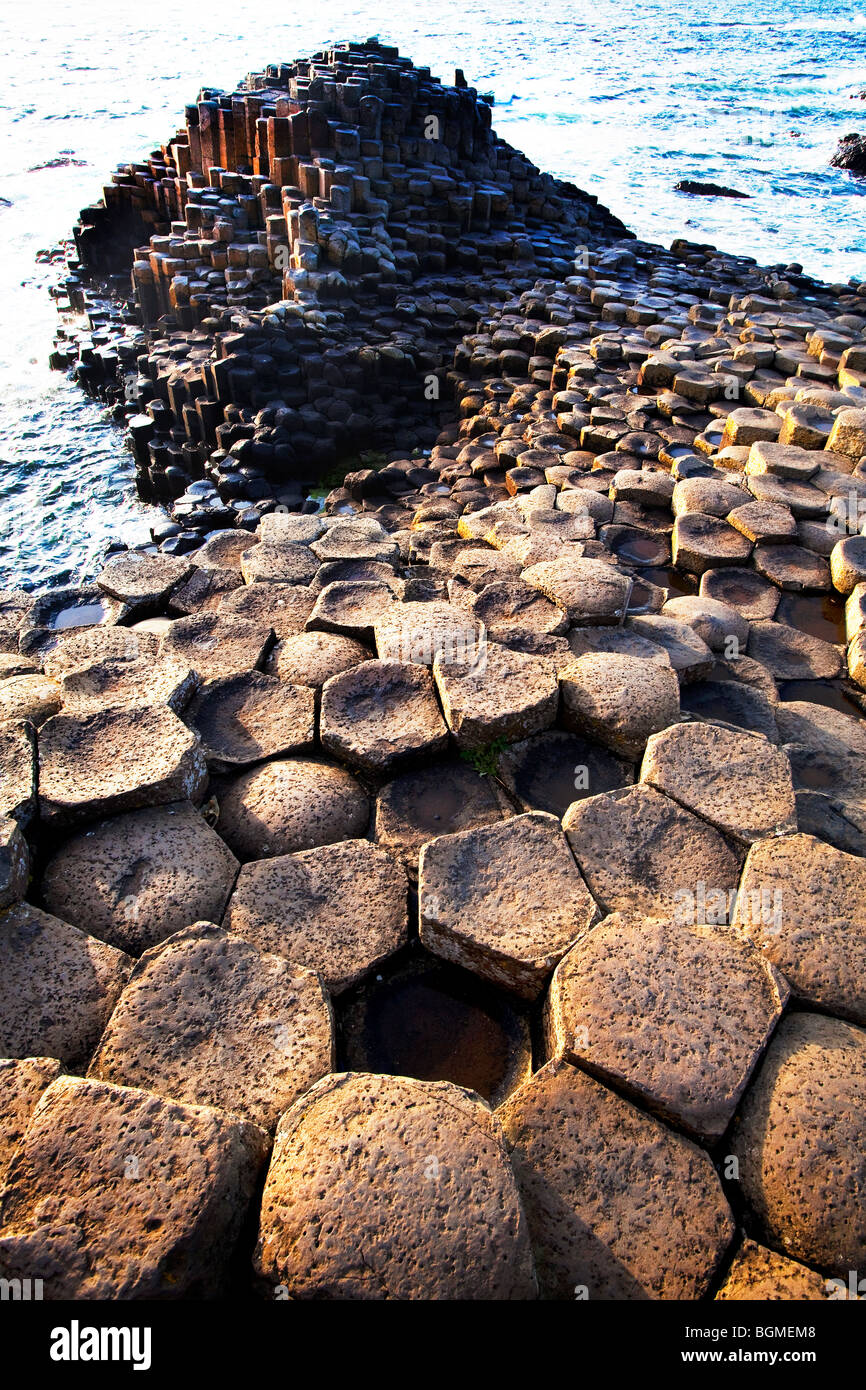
{"points": [[735, 780], [722, 627], [783, 460], [135, 879], [508, 606], [639, 850], [763, 521], [95, 644], [760, 1275], [291, 804], [791, 655], [278, 562], [687, 651], [590, 591], [501, 694], [551, 770], [674, 1014], [114, 760], [847, 565], [792, 567], [355, 540], [120, 682], [283, 607], [802, 902], [14, 863], [289, 526], [351, 608], [619, 700], [848, 435], [22, 1082], [215, 645], [702, 542], [34, 698], [619, 1207], [311, 658], [57, 987], [204, 591], [339, 909], [710, 496], [244, 719], [505, 900], [423, 633], [745, 427], [798, 1140], [377, 714], [117, 1194], [439, 799], [382, 1187], [226, 548], [208, 1019], [141, 579], [18, 772], [802, 499], [749, 593]]}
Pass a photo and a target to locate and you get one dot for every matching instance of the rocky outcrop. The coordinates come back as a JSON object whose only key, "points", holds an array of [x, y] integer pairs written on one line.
{"points": [[851, 154]]}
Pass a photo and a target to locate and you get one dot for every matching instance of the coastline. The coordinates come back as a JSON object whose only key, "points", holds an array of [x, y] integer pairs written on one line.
{"points": [[305, 752]]}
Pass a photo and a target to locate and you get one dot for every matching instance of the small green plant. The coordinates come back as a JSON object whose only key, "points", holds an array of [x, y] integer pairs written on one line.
{"points": [[485, 760]]}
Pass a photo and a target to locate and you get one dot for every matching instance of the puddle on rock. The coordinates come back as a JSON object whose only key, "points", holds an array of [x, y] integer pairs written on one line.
{"points": [[636, 549], [81, 615], [830, 693], [819, 615], [436, 1022], [550, 771], [669, 577], [644, 598]]}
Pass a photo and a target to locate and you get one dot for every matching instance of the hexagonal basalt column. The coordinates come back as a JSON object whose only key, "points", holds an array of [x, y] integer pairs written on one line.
{"points": [[340, 909], [619, 1207], [800, 1140], [148, 1200], [208, 1019], [673, 1013], [385, 1188], [506, 900]]}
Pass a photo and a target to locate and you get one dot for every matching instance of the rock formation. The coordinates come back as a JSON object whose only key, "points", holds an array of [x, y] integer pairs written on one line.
{"points": [[476, 859]]}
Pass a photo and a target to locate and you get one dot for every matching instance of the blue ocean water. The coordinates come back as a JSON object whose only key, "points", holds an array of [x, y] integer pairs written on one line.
{"points": [[623, 100]]}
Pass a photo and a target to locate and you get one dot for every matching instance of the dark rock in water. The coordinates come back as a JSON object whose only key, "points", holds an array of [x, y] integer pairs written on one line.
{"points": [[851, 154], [60, 161], [707, 190]]}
